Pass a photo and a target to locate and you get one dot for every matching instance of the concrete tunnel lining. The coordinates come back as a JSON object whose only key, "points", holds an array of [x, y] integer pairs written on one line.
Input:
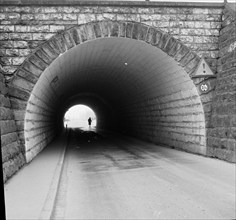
{"points": [[152, 97]]}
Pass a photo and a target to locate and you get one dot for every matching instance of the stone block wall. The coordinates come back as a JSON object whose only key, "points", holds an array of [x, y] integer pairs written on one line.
{"points": [[12, 149], [39, 122], [24, 28], [174, 120], [222, 135]]}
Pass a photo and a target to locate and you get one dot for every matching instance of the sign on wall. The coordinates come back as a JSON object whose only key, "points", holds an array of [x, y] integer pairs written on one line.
{"points": [[203, 70]]}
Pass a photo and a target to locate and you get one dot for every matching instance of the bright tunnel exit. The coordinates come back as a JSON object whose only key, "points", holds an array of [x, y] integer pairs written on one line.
{"points": [[78, 116]]}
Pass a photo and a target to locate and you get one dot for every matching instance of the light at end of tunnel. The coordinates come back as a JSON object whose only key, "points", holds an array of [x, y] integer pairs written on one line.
{"points": [[77, 117]]}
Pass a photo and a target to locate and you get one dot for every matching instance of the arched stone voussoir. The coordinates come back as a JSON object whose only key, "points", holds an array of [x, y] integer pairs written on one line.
{"points": [[31, 68], [63, 41], [38, 62]]}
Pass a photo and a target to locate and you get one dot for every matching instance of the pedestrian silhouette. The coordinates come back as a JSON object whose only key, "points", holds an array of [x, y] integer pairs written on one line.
{"points": [[89, 121]]}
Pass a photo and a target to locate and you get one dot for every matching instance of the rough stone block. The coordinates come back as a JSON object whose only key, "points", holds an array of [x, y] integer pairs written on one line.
{"points": [[56, 28], [90, 31], [55, 47], [12, 166], [176, 47], [27, 17], [8, 126], [69, 40], [39, 28], [4, 101], [3, 88], [170, 44], [20, 125], [143, 30], [22, 83], [75, 35], [129, 30], [49, 51], [42, 54], [136, 30], [122, 28], [5, 114], [20, 44], [6, 60], [97, 30], [85, 18], [21, 28], [114, 30], [18, 103], [106, 16], [6, 44], [187, 58], [104, 29], [61, 42], [4, 36], [17, 60], [9, 151], [31, 68], [153, 36], [8, 138], [183, 50], [191, 66], [20, 36], [163, 41], [7, 28], [18, 93], [41, 36], [69, 17], [19, 115]]}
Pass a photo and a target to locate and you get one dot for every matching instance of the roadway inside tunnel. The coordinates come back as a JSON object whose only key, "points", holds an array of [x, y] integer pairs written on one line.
{"points": [[109, 176], [133, 87]]}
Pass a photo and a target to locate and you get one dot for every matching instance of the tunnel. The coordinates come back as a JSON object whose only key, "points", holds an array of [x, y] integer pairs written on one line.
{"points": [[137, 82]]}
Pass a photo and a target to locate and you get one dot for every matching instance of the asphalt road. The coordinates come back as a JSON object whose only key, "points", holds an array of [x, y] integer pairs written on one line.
{"points": [[106, 176]]}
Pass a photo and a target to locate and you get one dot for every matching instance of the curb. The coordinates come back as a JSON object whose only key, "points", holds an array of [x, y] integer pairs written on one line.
{"points": [[51, 196]]}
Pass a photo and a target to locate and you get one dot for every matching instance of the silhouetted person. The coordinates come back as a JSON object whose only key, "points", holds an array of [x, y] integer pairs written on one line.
{"points": [[89, 121]]}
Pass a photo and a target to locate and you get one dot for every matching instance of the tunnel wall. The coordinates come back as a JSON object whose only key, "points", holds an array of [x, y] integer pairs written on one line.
{"points": [[175, 120], [222, 135], [39, 127], [12, 149]]}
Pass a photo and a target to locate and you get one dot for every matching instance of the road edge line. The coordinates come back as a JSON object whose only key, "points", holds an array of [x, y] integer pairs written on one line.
{"points": [[52, 193]]}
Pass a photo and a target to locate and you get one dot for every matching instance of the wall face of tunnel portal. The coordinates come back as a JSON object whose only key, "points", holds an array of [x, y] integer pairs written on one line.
{"points": [[141, 72]]}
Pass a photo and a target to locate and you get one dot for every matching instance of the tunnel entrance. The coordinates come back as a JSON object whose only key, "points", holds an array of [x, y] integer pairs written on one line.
{"points": [[77, 116], [136, 78]]}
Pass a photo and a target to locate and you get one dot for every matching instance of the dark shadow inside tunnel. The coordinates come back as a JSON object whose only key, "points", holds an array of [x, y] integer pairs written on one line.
{"points": [[134, 88]]}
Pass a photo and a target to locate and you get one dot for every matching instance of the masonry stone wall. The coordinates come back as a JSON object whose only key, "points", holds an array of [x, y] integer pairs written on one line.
{"points": [[222, 135], [174, 120], [178, 119], [23, 28], [12, 149]]}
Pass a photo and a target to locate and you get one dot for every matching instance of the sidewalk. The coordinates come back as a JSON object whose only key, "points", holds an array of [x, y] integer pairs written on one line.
{"points": [[30, 193]]}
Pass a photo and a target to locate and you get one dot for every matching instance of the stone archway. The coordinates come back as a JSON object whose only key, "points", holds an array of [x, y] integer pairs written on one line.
{"points": [[28, 75]]}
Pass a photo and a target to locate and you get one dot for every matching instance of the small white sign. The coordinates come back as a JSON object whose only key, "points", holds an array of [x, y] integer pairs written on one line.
{"points": [[204, 87]]}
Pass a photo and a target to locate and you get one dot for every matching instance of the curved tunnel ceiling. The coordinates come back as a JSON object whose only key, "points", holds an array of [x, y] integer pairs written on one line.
{"points": [[127, 75], [99, 67]]}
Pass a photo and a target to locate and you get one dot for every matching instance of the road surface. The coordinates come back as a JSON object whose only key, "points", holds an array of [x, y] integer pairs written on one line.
{"points": [[105, 176]]}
